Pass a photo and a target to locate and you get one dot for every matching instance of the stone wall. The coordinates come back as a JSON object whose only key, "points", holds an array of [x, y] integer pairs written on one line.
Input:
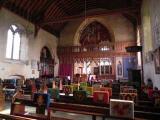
{"points": [[150, 37], [30, 46]]}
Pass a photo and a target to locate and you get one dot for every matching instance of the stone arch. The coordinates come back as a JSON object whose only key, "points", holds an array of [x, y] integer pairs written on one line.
{"points": [[85, 23], [49, 46], [53, 52], [53, 55], [45, 52]]}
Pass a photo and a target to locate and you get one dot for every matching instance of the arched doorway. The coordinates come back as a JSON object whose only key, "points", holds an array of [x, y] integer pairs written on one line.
{"points": [[46, 66]]}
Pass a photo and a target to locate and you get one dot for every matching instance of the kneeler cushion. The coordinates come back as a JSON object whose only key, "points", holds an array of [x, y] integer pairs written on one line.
{"points": [[80, 96], [67, 89], [129, 96], [18, 108], [89, 90], [122, 108], [83, 83], [101, 97], [54, 93], [75, 87], [107, 89], [42, 99]]}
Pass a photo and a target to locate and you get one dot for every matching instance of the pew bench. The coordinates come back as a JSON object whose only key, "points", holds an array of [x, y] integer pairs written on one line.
{"points": [[80, 109], [34, 116], [14, 117], [144, 112]]}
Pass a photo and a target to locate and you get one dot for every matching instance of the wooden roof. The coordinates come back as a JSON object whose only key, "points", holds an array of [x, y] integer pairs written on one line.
{"points": [[53, 15]]}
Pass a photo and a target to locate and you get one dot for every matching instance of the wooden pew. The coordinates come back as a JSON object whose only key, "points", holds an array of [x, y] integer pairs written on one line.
{"points": [[17, 117], [152, 113], [80, 109], [144, 112], [14, 117]]}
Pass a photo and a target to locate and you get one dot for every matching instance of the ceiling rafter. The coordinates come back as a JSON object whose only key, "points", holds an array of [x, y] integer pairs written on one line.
{"points": [[18, 4], [52, 9], [20, 11], [41, 13], [101, 13], [66, 7], [32, 7], [79, 5], [37, 9], [29, 3], [61, 6], [58, 10], [49, 9], [53, 15]]}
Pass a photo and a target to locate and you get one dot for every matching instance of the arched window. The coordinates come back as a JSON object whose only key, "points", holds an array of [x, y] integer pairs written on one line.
{"points": [[13, 43]]}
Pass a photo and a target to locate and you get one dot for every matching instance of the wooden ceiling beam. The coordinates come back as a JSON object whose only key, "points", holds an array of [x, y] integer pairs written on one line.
{"points": [[18, 4], [50, 11], [36, 10], [50, 8], [32, 7], [24, 13], [58, 10], [45, 7], [17, 9], [67, 5], [95, 14]]}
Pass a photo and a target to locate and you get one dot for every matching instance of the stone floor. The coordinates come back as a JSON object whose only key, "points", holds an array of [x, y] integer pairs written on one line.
{"points": [[66, 115]]}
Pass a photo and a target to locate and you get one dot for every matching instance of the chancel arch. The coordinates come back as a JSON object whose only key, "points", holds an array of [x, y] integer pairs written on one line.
{"points": [[94, 33], [90, 21], [95, 36]]}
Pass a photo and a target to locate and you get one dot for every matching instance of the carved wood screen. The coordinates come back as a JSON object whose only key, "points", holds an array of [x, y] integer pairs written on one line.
{"points": [[96, 44]]}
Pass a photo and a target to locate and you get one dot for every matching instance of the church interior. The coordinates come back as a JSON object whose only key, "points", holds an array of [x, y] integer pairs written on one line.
{"points": [[79, 59]]}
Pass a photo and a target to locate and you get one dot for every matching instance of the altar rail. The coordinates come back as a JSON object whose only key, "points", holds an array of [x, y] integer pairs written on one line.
{"points": [[118, 46]]}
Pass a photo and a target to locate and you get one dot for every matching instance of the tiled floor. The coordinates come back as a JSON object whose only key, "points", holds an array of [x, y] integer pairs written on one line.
{"points": [[71, 116]]}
